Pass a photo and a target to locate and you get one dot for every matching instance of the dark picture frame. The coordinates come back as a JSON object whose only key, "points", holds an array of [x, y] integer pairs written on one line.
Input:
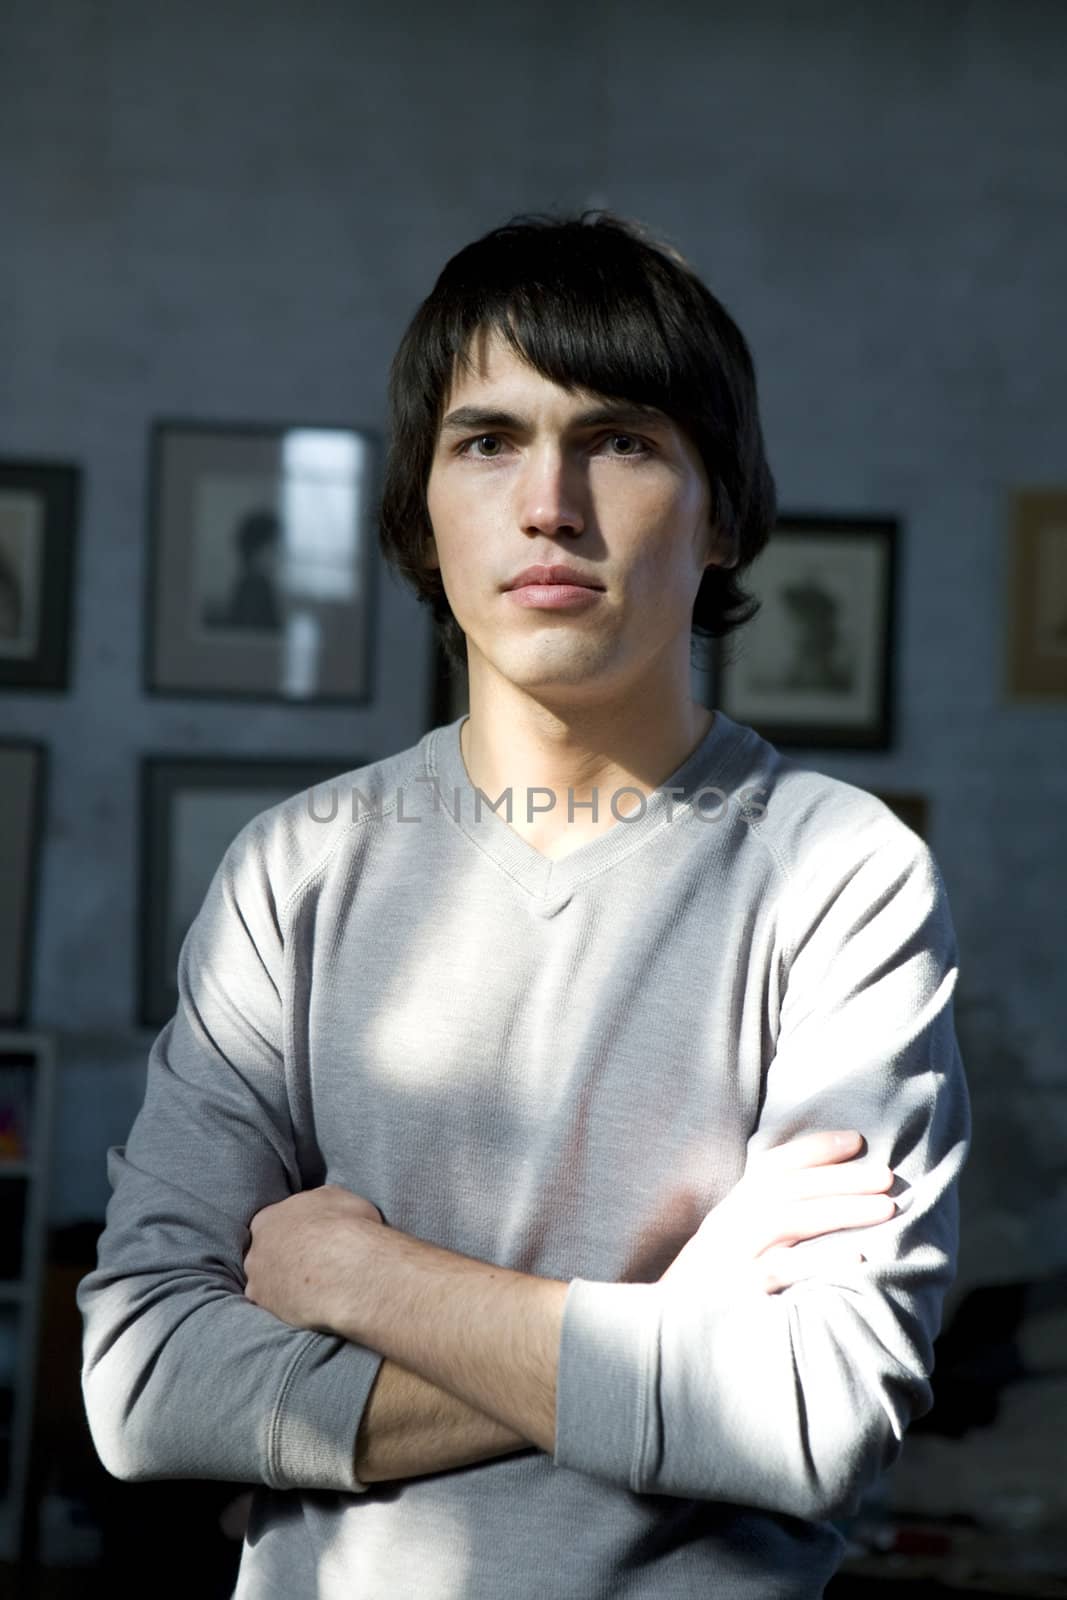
{"points": [[23, 791], [192, 807], [1036, 643], [39, 509], [814, 666], [260, 573]]}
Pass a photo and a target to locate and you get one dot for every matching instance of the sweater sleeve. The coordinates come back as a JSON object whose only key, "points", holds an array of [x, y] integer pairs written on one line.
{"points": [[182, 1376], [795, 1402]]}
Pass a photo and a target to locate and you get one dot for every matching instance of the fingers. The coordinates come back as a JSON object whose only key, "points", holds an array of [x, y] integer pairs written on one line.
{"points": [[850, 1177], [808, 1219], [786, 1266], [814, 1149], [804, 1189]]}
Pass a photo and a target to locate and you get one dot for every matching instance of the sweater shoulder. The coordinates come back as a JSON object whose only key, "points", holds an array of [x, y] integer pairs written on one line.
{"points": [[282, 848], [833, 843], [813, 823]]}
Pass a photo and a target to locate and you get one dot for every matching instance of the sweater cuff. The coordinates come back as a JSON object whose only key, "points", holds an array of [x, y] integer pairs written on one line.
{"points": [[606, 1380], [313, 1428]]}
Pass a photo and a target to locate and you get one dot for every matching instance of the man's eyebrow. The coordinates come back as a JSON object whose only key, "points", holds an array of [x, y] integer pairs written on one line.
{"points": [[629, 414]]}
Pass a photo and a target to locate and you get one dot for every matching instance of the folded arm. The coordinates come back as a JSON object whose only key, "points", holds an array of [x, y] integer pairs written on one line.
{"points": [[795, 1402], [410, 1427], [182, 1376]]}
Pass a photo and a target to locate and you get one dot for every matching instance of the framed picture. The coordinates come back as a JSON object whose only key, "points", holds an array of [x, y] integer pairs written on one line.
{"points": [[259, 569], [912, 809], [39, 503], [192, 807], [1037, 596], [449, 689], [813, 667], [27, 1099], [22, 798]]}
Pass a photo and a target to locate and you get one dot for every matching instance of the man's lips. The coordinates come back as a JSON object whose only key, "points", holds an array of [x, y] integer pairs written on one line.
{"points": [[554, 596], [554, 577]]}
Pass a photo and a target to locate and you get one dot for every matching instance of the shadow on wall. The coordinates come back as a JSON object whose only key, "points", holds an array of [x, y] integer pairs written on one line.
{"points": [[1013, 1192]]}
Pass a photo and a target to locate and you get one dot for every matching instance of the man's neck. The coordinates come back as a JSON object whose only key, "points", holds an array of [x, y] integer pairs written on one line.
{"points": [[524, 746]]}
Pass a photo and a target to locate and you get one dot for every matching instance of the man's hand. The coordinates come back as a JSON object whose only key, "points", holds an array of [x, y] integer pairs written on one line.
{"points": [[489, 1336], [301, 1256], [788, 1194], [307, 1251]]}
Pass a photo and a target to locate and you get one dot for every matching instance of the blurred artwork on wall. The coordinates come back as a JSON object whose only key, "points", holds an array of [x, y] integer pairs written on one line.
{"points": [[814, 665], [1036, 644], [260, 562], [38, 527]]}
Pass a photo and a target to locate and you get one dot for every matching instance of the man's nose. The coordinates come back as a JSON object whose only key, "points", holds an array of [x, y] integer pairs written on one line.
{"points": [[553, 493]]}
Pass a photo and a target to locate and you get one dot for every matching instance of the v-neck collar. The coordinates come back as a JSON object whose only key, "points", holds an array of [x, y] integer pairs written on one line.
{"points": [[551, 882]]}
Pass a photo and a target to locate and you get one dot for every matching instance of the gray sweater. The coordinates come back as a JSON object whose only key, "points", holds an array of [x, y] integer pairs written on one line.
{"points": [[559, 1067]]}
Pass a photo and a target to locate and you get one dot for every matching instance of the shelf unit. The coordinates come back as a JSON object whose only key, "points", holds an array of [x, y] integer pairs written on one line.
{"points": [[27, 1085]]}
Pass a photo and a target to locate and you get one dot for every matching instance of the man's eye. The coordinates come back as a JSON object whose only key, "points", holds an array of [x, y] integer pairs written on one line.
{"points": [[642, 447], [480, 439]]}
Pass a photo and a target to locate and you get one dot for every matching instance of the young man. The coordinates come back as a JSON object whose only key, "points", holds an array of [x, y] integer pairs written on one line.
{"points": [[510, 1202]]}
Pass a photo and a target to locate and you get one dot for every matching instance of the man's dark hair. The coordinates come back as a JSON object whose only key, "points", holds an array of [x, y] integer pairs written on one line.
{"points": [[592, 302]]}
